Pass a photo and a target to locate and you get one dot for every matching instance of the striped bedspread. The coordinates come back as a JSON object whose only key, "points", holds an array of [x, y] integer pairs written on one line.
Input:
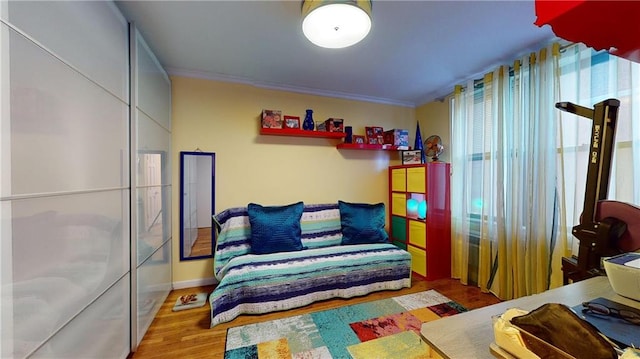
{"points": [[254, 284]]}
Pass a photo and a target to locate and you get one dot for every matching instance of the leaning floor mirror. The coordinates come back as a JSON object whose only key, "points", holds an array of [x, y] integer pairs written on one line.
{"points": [[197, 198]]}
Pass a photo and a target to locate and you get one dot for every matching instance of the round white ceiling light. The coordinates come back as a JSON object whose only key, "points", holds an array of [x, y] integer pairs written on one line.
{"points": [[336, 24]]}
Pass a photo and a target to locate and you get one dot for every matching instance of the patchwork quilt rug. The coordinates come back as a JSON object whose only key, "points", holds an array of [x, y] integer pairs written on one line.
{"points": [[387, 328]]}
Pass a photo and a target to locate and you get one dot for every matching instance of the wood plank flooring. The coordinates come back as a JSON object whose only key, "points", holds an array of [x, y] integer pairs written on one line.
{"points": [[186, 334], [202, 245]]}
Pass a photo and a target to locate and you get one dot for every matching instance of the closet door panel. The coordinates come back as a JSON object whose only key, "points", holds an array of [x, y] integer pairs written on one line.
{"points": [[154, 220], [67, 250], [154, 170], [154, 138], [96, 27], [154, 86], [154, 284], [65, 190], [67, 133], [101, 328], [151, 105]]}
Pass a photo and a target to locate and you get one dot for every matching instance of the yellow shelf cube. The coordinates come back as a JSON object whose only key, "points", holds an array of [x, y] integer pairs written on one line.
{"points": [[399, 180], [399, 204], [416, 180], [418, 260], [418, 234]]}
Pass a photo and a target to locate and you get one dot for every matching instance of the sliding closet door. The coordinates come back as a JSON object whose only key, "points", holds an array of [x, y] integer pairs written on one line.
{"points": [[151, 217], [65, 180]]}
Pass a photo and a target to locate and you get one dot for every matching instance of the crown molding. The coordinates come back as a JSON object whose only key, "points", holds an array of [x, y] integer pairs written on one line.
{"points": [[281, 87]]}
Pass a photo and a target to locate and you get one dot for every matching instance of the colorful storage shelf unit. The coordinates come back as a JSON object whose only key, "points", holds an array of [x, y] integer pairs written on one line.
{"points": [[420, 216]]}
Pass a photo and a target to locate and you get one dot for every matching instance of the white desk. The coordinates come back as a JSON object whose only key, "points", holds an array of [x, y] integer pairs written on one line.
{"points": [[469, 335]]}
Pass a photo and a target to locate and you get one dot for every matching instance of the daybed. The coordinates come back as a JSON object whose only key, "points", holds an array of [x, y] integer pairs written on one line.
{"points": [[322, 266]]}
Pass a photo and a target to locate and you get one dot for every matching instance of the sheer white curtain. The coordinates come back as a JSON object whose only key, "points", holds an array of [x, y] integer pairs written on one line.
{"points": [[504, 208], [588, 77]]}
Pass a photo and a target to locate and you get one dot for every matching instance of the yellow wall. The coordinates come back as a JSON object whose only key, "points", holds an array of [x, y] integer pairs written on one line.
{"points": [[273, 170], [224, 118], [434, 120]]}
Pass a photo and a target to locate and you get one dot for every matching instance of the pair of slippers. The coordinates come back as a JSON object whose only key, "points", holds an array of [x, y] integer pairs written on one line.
{"points": [[186, 299]]}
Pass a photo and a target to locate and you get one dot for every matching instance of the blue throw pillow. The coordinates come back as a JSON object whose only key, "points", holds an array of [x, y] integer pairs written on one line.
{"points": [[362, 223], [275, 228]]}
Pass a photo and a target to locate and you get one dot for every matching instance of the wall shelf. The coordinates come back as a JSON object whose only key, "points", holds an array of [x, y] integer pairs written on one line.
{"points": [[362, 146], [300, 133]]}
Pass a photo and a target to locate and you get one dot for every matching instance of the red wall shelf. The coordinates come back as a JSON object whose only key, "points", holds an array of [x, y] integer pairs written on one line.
{"points": [[362, 146], [300, 133]]}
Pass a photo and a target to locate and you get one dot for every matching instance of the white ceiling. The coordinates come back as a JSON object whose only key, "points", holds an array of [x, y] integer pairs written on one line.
{"points": [[415, 53]]}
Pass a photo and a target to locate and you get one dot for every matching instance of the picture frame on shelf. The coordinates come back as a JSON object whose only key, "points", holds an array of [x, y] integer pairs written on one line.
{"points": [[291, 122], [272, 119], [334, 125], [373, 141], [358, 139], [412, 157], [374, 135]]}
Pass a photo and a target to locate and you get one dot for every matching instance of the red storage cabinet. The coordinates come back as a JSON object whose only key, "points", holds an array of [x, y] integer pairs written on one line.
{"points": [[420, 216]]}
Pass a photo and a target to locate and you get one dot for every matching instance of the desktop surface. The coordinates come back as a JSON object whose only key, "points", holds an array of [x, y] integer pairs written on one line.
{"points": [[470, 334]]}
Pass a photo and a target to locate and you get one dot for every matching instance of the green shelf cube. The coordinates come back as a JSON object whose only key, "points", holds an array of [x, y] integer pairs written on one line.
{"points": [[400, 245], [399, 228]]}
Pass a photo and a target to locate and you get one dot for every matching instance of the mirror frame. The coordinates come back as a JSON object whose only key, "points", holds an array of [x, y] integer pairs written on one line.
{"points": [[183, 154]]}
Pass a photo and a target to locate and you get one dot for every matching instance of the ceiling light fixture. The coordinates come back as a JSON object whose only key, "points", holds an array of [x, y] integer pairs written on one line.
{"points": [[336, 24]]}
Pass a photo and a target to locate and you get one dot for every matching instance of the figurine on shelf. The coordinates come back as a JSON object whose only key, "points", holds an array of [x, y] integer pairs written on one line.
{"points": [[348, 130], [308, 123]]}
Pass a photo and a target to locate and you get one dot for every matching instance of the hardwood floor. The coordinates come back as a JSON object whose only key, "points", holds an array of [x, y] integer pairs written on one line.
{"points": [[202, 245], [186, 334]]}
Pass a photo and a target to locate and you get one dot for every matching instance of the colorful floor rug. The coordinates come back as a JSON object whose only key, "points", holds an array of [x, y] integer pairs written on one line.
{"points": [[387, 328]]}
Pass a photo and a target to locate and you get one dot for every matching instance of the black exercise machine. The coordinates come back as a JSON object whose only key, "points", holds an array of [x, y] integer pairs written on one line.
{"points": [[602, 232]]}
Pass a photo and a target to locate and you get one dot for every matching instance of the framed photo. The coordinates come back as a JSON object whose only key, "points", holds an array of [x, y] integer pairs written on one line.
{"points": [[375, 135], [412, 157], [271, 119], [291, 121], [358, 139], [374, 141], [334, 125]]}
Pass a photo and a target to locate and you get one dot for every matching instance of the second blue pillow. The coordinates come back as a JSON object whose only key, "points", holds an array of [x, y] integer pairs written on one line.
{"points": [[362, 223]]}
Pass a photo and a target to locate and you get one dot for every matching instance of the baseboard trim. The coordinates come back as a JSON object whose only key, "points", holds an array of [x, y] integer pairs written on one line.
{"points": [[195, 283]]}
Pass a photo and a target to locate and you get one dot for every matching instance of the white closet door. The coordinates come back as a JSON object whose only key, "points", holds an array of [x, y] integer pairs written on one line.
{"points": [[64, 190], [151, 124], [86, 34]]}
